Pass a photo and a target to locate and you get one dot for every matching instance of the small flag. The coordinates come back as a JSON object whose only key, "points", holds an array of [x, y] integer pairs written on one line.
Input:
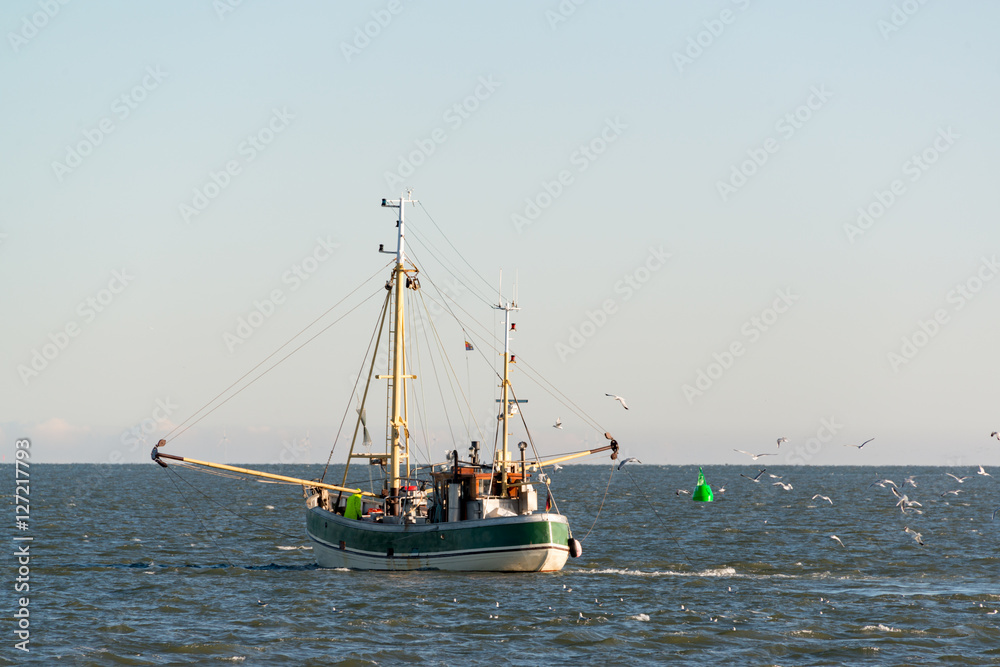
{"points": [[512, 359], [468, 346], [513, 326]]}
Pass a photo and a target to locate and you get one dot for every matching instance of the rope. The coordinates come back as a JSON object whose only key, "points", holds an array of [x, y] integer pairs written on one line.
{"points": [[610, 477], [170, 435], [206, 496], [665, 527], [279, 362], [355, 388], [198, 517], [427, 213]]}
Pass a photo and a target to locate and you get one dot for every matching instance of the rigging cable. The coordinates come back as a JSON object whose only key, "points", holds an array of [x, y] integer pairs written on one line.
{"points": [[266, 371], [662, 522], [598, 515], [427, 213], [210, 498], [355, 388], [170, 435]]}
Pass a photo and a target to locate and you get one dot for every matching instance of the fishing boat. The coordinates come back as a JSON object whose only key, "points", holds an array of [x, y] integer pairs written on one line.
{"points": [[496, 515]]}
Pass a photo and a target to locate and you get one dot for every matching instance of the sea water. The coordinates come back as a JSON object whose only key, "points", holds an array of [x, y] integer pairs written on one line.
{"points": [[137, 565]]}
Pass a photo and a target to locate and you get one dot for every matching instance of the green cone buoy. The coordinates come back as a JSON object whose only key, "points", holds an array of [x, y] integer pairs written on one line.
{"points": [[702, 492]]}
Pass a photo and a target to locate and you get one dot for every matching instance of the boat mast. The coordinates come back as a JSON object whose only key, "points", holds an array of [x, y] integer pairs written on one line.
{"points": [[398, 420], [503, 455]]}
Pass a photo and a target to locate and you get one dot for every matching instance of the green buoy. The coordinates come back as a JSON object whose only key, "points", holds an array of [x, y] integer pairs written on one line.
{"points": [[702, 492]]}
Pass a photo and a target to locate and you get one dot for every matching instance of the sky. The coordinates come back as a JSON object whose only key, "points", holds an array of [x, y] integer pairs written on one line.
{"points": [[751, 220]]}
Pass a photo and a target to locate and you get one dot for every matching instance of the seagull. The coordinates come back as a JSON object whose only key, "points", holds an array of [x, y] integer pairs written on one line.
{"points": [[962, 479], [781, 440], [757, 478], [773, 476], [826, 498], [619, 399], [556, 466], [722, 489], [882, 483], [909, 480], [982, 471], [628, 460], [994, 517], [954, 493], [786, 487], [680, 491], [996, 435], [558, 423], [862, 444], [915, 535], [753, 456], [834, 537], [261, 604]]}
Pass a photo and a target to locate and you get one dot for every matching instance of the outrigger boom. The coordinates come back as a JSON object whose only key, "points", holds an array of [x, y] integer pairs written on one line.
{"points": [[156, 455]]}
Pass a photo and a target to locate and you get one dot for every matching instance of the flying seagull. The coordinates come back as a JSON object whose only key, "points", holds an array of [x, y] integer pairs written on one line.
{"points": [[619, 399], [996, 435], [982, 471], [628, 460], [753, 456], [757, 478], [834, 537], [786, 487], [781, 440], [680, 491], [862, 444], [826, 498], [995, 514], [962, 479], [914, 534], [954, 493], [558, 423], [882, 483]]}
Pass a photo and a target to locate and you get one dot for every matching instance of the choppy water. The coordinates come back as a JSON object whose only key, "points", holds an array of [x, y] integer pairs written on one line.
{"points": [[125, 572]]}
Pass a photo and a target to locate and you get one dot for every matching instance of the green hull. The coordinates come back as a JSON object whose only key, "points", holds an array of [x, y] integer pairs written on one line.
{"points": [[529, 543]]}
